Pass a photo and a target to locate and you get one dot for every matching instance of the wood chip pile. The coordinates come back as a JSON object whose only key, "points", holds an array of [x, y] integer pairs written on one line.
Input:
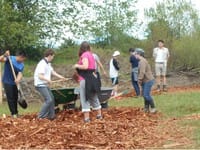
{"points": [[121, 128]]}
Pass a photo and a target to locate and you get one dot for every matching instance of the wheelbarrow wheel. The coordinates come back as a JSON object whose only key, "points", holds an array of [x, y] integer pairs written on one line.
{"points": [[70, 106], [57, 110], [104, 105]]}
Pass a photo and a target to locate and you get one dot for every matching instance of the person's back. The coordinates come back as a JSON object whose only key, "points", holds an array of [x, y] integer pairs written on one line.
{"points": [[145, 73], [91, 61], [113, 69]]}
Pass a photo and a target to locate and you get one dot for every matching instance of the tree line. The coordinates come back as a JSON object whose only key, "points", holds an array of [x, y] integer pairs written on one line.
{"points": [[29, 25]]}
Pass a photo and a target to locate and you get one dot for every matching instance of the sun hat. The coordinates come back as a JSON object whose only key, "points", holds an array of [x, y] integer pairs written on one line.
{"points": [[116, 53]]}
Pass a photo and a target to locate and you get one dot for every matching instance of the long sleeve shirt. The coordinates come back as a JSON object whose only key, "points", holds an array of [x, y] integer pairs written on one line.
{"points": [[144, 72]]}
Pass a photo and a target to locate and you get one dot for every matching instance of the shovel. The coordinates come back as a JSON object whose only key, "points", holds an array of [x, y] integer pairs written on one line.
{"points": [[21, 98]]}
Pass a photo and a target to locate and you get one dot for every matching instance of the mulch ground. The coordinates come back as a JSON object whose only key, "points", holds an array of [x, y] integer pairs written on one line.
{"points": [[121, 128]]}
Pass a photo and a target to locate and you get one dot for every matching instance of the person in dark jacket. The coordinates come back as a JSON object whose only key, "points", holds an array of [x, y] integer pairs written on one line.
{"points": [[134, 71], [114, 72]]}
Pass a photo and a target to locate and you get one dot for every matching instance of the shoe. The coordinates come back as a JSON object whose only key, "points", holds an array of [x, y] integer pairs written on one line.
{"points": [[99, 117], [87, 120], [153, 110], [15, 116], [146, 110]]}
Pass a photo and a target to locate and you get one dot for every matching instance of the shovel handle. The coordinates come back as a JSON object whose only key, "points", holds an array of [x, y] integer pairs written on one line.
{"points": [[12, 68], [61, 80], [13, 71]]}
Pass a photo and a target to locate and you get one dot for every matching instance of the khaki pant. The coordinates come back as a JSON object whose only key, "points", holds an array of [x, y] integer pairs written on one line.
{"points": [[161, 69]]}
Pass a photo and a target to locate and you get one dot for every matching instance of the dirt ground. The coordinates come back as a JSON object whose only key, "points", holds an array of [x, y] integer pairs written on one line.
{"points": [[121, 128]]}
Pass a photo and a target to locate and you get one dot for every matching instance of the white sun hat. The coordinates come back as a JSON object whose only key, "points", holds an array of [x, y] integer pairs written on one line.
{"points": [[116, 53]]}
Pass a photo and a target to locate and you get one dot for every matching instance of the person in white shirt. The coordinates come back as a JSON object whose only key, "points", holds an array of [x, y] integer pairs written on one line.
{"points": [[42, 78], [161, 55], [114, 69]]}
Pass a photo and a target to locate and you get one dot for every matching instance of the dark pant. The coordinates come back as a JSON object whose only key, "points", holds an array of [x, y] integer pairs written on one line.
{"points": [[135, 84], [12, 97], [146, 92]]}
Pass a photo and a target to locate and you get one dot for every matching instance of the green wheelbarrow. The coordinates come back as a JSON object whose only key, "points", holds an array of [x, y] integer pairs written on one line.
{"points": [[68, 97], [64, 96]]}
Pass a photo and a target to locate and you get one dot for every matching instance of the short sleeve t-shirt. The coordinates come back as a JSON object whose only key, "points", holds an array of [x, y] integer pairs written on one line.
{"points": [[8, 77], [161, 55], [43, 67], [91, 61]]}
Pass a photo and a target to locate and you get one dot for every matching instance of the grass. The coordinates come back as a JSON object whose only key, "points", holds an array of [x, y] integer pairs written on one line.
{"points": [[32, 108], [173, 106], [170, 105]]}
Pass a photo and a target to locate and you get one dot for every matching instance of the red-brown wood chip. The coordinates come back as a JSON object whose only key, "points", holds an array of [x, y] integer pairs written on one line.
{"points": [[121, 128]]}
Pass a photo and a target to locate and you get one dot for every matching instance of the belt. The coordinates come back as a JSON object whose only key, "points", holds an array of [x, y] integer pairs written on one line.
{"points": [[159, 62]]}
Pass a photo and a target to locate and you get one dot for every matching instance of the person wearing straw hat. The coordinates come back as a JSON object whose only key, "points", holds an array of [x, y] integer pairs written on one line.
{"points": [[42, 77], [9, 82], [114, 72]]}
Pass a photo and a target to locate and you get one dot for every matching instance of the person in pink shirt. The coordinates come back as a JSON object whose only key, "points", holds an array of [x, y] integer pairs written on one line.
{"points": [[89, 83]]}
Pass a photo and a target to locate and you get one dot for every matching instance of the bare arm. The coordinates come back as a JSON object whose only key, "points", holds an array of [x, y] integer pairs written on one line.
{"points": [[84, 66], [101, 66], [18, 77], [3, 57], [57, 75], [154, 53]]}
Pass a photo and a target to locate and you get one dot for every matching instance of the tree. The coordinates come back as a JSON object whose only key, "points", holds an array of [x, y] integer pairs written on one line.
{"points": [[28, 24], [178, 15], [102, 20], [17, 28], [176, 22]]}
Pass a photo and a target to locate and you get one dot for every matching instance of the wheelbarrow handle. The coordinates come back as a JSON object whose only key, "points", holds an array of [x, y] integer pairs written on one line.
{"points": [[61, 80]]}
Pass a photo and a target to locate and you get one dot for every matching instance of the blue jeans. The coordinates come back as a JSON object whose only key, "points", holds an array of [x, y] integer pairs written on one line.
{"points": [[146, 92], [47, 110], [135, 83]]}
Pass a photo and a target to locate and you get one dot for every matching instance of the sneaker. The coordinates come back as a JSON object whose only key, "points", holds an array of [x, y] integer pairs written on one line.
{"points": [[153, 110], [87, 120], [146, 110], [15, 116], [99, 117]]}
